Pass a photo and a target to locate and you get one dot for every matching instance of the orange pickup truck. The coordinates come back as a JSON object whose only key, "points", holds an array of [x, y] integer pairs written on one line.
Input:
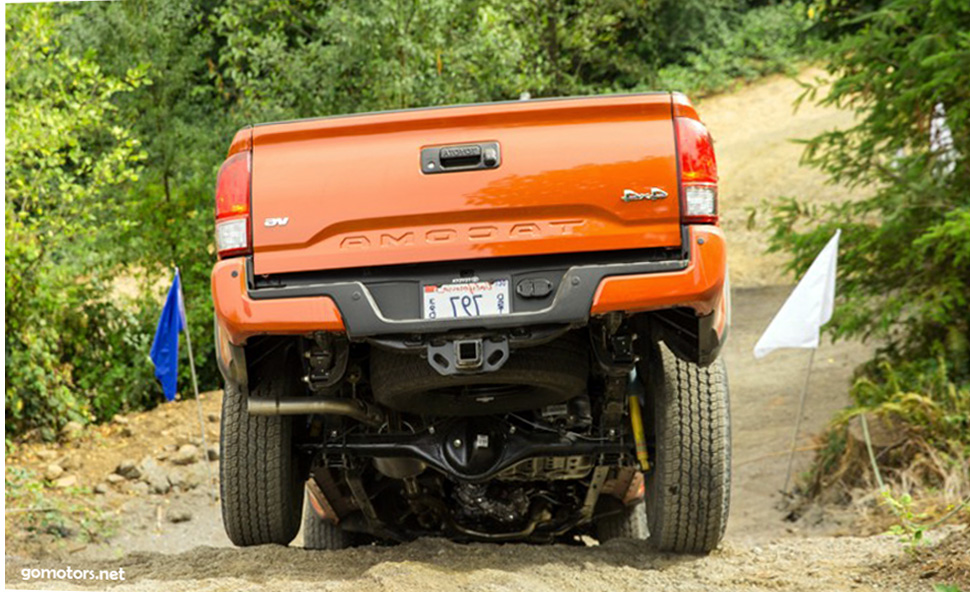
{"points": [[486, 322]]}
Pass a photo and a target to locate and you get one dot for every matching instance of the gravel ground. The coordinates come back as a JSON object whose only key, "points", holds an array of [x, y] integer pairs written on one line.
{"points": [[432, 565]]}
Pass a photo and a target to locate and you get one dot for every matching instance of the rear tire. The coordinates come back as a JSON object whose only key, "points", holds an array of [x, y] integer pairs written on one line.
{"points": [[323, 535], [688, 490], [258, 477], [630, 523]]}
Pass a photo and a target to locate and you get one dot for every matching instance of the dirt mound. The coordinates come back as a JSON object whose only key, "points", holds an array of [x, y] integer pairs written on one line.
{"points": [[947, 562], [122, 480], [95, 451]]}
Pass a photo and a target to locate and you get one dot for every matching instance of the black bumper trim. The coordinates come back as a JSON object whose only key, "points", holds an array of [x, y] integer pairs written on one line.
{"points": [[363, 317]]}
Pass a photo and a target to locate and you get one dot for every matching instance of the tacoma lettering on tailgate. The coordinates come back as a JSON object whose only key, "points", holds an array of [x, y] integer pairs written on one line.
{"points": [[469, 232]]}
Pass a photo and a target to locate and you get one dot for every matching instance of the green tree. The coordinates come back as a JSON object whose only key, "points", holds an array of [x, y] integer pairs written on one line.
{"points": [[286, 58], [68, 158], [904, 67], [184, 124]]}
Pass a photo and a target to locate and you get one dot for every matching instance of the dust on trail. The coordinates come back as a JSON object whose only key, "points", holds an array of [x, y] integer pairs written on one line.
{"points": [[762, 551]]}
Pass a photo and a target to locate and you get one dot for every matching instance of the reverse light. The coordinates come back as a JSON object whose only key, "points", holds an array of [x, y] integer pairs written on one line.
{"points": [[701, 200], [232, 235], [698, 172], [233, 185]]}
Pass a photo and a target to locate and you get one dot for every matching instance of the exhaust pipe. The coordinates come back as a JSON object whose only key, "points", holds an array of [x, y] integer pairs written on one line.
{"points": [[316, 406]]}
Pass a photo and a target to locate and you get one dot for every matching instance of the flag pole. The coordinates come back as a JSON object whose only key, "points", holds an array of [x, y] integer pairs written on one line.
{"points": [[798, 420], [198, 401]]}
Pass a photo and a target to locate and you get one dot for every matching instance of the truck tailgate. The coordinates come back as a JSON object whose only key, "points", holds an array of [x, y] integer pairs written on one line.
{"points": [[350, 191]]}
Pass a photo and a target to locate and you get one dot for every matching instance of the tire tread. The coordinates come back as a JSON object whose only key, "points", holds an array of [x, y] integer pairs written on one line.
{"points": [[320, 534], [689, 492], [630, 523], [257, 472]]}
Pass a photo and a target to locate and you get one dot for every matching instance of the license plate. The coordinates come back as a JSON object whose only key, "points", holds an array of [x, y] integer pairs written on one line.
{"points": [[466, 300]]}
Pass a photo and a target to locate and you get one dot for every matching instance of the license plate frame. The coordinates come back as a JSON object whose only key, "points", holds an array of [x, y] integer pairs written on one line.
{"points": [[478, 298]]}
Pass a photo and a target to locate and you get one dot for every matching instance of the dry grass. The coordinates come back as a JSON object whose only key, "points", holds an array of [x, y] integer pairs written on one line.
{"points": [[923, 479]]}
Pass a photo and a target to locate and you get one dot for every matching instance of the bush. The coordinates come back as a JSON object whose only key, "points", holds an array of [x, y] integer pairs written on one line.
{"points": [[904, 261], [928, 416], [68, 338], [766, 40]]}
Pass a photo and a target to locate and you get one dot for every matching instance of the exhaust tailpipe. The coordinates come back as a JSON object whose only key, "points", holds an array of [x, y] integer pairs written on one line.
{"points": [[316, 406]]}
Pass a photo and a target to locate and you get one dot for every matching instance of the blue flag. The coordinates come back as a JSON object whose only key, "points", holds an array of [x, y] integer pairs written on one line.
{"points": [[165, 347]]}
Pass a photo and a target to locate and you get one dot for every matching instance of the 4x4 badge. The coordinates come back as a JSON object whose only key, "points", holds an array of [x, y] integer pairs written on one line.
{"points": [[655, 194]]}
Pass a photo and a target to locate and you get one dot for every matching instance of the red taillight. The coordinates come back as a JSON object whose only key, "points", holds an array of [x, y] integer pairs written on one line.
{"points": [[233, 235], [698, 172]]}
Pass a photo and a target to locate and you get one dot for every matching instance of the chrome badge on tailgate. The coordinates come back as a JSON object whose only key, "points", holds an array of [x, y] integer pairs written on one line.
{"points": [[654, 194]]}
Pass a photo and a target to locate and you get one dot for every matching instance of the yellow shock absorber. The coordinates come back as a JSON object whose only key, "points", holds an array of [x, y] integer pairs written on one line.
{"points": [[636, 420]]}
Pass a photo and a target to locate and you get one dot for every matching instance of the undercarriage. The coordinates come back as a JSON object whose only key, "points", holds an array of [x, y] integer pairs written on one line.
{"points": [[537, 434]]}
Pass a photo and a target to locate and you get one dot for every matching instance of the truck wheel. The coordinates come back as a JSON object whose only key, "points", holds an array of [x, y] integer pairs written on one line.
{"points": [[630, 523], [258, 478], [688, 489], [322, 534]]}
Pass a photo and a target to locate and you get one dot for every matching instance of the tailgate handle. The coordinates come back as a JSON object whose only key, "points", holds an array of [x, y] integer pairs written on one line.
{"points": [[460, 157]]}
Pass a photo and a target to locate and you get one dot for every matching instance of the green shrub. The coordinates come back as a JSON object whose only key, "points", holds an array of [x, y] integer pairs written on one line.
{"points": [[904, 261], [68, 158], [765, 40], [928, 416]]}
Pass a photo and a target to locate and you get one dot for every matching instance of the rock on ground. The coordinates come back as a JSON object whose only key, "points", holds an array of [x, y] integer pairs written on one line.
{"points": [[66, 481], [53, 472], [72, 430], [128, 469], [186, 455], [138, 488], [176, 516], [71, 462], [154, 475]]}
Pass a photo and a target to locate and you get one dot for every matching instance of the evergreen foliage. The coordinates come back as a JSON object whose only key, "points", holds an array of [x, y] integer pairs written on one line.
{"points": [[904, 270]]}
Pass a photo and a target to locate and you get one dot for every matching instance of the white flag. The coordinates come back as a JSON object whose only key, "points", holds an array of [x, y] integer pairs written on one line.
{"points": [[809, 307]]}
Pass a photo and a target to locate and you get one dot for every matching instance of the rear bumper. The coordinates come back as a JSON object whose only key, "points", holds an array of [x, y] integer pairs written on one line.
{"points": [[693, 278], [698, 286], [240, 317]]}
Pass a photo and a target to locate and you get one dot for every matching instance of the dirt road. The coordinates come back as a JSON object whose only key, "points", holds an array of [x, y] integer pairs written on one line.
{"points": [[761, 551], [757, 158]]}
